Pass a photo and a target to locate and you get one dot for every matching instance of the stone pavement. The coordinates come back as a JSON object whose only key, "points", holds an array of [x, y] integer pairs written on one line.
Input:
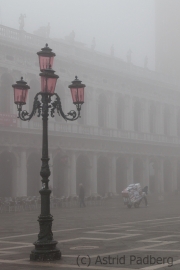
{"points": [[108, 236]]}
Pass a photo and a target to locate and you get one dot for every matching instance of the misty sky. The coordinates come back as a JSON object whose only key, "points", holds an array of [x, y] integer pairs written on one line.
{"points": [[127, 24]]}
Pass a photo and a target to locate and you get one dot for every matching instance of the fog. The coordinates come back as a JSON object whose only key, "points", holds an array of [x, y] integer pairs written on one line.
{"points": [[125, 24], [111, 179]]}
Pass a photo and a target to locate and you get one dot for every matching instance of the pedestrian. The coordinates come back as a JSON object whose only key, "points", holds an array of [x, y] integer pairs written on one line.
{"points": [[81, 195], [145, 190]]}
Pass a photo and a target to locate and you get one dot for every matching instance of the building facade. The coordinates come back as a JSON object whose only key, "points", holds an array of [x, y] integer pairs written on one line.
{"points": [[129, 131]]}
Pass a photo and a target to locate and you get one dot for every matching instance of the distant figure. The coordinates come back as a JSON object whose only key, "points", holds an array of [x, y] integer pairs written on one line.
{"points": [[128, 56], [112, 51], [145, 189], [81, 195], [145, 62], [21, 22], [93, 45]]}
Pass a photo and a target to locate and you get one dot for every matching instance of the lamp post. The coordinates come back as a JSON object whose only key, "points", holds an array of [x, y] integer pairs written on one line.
{"points": [[46, 103]]}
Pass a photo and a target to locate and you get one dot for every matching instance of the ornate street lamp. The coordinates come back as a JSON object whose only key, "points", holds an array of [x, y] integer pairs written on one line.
{"points": [[46, 103]]}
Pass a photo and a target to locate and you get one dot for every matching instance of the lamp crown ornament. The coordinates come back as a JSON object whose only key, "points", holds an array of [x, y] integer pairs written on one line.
{"points": [[46, 50]]}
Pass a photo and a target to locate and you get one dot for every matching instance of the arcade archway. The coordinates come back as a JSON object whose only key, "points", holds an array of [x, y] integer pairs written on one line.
{"points": [[153, 175], [83, 174], [138, 170], [8, 174], [167, 172], [121, 174], [102, 176], [60, 179], [33, 174]]}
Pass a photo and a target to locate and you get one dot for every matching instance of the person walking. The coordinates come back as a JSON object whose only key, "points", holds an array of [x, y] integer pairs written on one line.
{"points": [[81, 195]]}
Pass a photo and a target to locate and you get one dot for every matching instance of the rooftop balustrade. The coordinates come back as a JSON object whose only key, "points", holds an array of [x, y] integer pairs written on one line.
{"points": [[78, 51], [99, 133]]}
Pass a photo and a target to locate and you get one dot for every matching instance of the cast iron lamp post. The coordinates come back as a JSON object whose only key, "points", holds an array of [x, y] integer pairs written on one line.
{"points": [[46, 102]]}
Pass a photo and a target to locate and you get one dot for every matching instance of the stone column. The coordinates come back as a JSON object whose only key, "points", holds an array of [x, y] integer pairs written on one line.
{"points": [[126, 116], [159, 119], [130, 114], [112, 175], [174, 120], [145, 171], [160, 175], [130, 170], [22, 189], [93, 186], [113, 112], [73, 174], [94, 111], [174, 175], [145, 116]]}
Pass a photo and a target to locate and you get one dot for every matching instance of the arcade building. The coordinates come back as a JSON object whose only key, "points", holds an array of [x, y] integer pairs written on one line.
{"points": [[129, 130]]}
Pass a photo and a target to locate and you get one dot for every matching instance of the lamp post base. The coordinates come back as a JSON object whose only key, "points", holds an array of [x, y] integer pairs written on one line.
{"points": [[46, 251]]}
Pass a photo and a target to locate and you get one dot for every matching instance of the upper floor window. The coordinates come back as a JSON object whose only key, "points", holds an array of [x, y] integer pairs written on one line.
{"points": [[152, 118], [34, 89], [137, 115], [60, 90], [83, 119], [102, 113], [120, 113], [5, 92], [166, 120]]}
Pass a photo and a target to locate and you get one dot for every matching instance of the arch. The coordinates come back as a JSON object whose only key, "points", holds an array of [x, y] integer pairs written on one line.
{"points": [[8, 172], [138, 170], [120, 113], [102, 176], [137, 115], [5, 93], [153, 175], [60, 175], [33, 174], [167, 172], [166, 120], [152, 118], [102, 110], [121, 174], [83, 174]]}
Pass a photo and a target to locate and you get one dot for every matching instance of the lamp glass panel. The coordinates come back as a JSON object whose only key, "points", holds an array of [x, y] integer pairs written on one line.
{"points": [[20, 95], [45, 62], [48, 85], [77, 95], [81, 94]]}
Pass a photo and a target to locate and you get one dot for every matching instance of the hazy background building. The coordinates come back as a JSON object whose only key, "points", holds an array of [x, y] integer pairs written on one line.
{"points": [[130, 126], [167, 37]]}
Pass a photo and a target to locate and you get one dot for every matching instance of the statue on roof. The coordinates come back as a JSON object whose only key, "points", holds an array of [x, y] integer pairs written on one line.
{"points": [[21, 22]]}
